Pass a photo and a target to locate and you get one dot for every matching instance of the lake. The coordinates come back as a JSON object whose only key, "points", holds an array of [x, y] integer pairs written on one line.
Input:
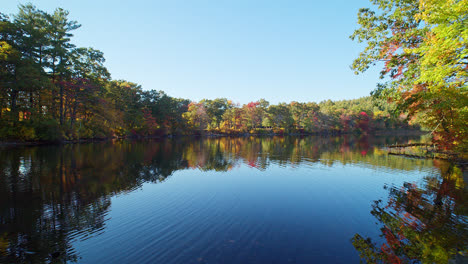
{"points": [[230, 200]]}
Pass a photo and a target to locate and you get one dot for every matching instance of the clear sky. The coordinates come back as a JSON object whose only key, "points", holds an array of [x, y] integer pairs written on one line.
{"points": [[244, 50]]}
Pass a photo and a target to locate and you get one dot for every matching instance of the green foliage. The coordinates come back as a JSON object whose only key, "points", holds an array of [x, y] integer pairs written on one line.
{"points": [[35, 129], [363, 115], [52, 90], [196, 116], [423, 45], [215, 109], [423, 223], [47, 129]]}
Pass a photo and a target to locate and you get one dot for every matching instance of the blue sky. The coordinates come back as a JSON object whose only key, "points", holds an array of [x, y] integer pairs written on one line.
{"points": [[243, 50]]}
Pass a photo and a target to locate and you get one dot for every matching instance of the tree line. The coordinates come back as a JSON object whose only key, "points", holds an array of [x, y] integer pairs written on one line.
{"points": [[52, 90], [361, 115]]}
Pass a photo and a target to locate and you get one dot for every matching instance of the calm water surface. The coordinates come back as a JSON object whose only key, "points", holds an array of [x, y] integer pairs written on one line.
{"points": [[230, 200]]}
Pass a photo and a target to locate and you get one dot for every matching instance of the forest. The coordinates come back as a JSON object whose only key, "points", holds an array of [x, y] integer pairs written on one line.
{"points": [[51, 90], [57, 198]]}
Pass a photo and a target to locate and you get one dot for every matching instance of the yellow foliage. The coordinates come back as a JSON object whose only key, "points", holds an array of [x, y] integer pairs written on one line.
{"points": [[3, 244]]}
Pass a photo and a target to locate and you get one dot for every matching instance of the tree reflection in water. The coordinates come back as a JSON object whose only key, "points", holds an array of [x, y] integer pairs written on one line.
{"points": [[51, 196], [427, 224]]}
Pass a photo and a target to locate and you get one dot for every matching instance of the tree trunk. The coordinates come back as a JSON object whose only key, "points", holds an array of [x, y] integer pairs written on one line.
{"points": [[14, 107], [13, 100], [31, 100], [73, 114], [61, 105]]}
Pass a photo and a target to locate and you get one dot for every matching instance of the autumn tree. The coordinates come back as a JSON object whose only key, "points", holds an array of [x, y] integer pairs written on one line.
{"points": [[280, 116], [52, 90], [126, 100], [423, 47], [10, 61], [196, 116], [166, 109], [215, 109], [253, 114], [233, 117], [84, 87]]}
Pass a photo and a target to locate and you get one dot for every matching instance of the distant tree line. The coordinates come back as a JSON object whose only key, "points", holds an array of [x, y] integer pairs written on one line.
{"points": [[362, 115], [52, 90]]}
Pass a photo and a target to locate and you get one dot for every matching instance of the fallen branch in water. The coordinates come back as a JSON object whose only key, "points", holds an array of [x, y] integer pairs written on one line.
{"points": [[425, 151], [410, 145]]}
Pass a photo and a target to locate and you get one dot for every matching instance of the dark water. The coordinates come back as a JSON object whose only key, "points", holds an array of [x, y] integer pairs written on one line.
{"points": [[230, 200]]}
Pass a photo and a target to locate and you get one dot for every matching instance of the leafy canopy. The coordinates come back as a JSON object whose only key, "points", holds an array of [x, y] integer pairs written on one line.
{"points": [[423, 47]]}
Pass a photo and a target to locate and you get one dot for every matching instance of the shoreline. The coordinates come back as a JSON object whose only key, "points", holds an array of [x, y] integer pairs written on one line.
{"points": [[403, 149], [426, 151], [395, 132]]}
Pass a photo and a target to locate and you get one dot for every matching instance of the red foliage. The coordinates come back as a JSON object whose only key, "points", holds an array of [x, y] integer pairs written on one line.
{"points": [[393, 244], [150, 121], [345, 119], [253, 104], [252, 163], [363, 122]]}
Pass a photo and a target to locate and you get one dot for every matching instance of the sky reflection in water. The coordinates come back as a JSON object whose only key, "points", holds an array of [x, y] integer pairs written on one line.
{"points": [[229, 200]]}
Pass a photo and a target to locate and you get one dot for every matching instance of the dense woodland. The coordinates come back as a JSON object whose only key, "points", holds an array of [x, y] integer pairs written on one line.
{"points": [[53, 90]]}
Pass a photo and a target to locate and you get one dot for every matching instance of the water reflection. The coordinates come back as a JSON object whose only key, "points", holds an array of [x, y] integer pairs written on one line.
{"points": [[427, 224], [51, 196]]}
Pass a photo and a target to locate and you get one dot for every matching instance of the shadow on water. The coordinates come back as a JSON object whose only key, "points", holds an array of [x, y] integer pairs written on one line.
{"points": [[52, 195]]}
